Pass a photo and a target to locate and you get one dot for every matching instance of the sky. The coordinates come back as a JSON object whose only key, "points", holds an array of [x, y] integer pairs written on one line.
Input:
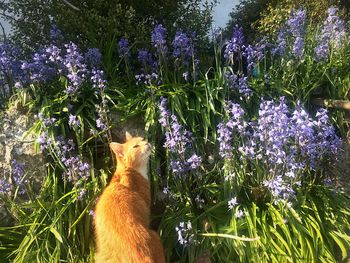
{"points": [[5, 25], [221, 11]]}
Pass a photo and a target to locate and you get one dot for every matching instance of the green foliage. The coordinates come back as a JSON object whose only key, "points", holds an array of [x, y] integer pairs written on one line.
{"points": [[55, 225], [277, 12], [246, 14], [91, 23]]}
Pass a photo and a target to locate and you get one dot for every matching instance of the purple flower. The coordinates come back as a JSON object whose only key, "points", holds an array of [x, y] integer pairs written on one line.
{"points": [[55, 33], [146, 60], [281, 43], [178, 142], [81, 194], [147, 79], [74, 63], [225, 140], [333, 33], [294, 29], [164, 113], [232, 203], [185, 234], [102, 113], [73, 121], [123, 48], [45, 65], [217, 33], [93, 57], [158, 39], [239, 214], [254, 54], [46, 122], [298, 47], [227, 129], [43, 141], [296, 23], [231, 79], [54, 54], [98, 81], [233, 46], [100, 124], [76, 170], [280, 190], [17, 174], [194, 161], [243, 87], [273, 130], [183, 47], [5, 187]]}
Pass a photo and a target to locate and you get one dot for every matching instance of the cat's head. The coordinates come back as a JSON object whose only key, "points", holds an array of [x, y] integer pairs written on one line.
{"points": [[134, 153]]}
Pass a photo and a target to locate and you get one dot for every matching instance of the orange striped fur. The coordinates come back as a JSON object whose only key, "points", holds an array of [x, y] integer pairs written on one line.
{"points": [[122, 214]]}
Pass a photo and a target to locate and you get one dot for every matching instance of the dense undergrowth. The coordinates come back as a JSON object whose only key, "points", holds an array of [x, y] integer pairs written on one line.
{"points": [[241, 163]]}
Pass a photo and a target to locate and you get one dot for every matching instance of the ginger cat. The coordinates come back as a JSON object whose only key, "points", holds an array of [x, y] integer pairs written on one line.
{"points": [[122, 213]]}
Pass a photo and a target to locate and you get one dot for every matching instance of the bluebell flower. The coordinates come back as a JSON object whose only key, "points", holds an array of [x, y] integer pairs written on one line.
{"points": [[243, 87], [158, 39], [185, 234], [93, 57], [146, 60], [183, 47], [54, 54], [123, 48], [178, 141], [55, 33], [147, 79], [44, 141], [102, 120], [98, 80], [5, 187], [216, 33], [234, 45], [199, 201], [239, 214], [81, 194], [333, 34], [232, 203], [18, 173], [280, 190], [254, 54], [194, 161], [74, 63], [73, 121], [296, 23], [281, 43], [298, 47]]}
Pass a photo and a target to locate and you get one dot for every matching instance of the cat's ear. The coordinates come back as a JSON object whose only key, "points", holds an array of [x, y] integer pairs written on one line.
{"points": [[127, 136], [117, 148]]}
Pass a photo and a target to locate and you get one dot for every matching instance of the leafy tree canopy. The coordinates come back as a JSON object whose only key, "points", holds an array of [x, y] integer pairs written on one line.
{"points": [[265, 16], [277, 12], [93, 23]]}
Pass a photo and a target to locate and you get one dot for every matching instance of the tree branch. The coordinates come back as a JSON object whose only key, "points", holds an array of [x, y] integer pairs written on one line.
{"points": [[3, 31], [8, 17], [71, 5]]}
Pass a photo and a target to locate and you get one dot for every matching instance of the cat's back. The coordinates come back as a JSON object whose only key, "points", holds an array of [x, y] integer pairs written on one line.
{"points": [[121, 221], [124, 201]]}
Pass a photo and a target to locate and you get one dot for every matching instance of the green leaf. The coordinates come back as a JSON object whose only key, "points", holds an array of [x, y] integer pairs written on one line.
{"points": [[56, 234]]}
